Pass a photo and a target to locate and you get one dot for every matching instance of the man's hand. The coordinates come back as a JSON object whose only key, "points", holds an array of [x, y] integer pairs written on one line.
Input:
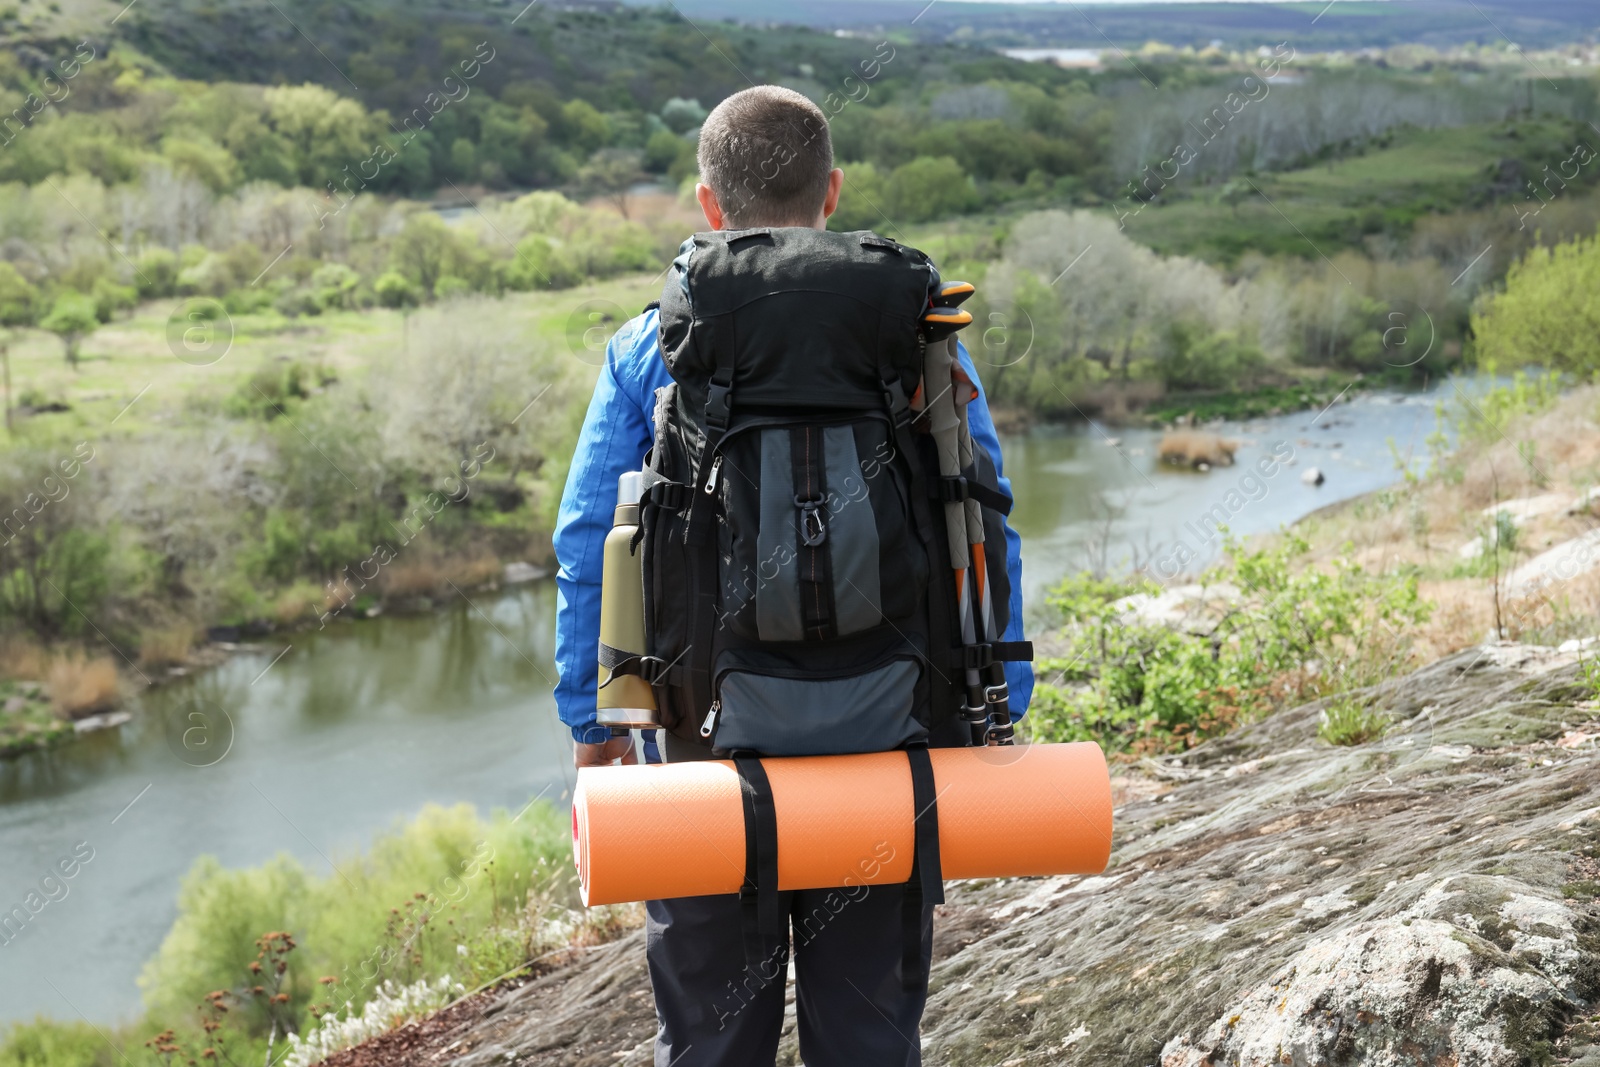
{"points": [[604, 755]]}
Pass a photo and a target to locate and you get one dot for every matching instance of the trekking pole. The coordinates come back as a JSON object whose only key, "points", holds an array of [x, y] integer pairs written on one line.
{"points": [[940, 323], [996, 693]]}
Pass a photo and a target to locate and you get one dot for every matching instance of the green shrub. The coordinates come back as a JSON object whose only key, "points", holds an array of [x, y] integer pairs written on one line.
{"points": [[242, 301], [1346, 721], [449, 286], [44, 1043], [1148, 687], [334, 284], [110, 298], [1549, 312], [929, 188], [271, 391], [394, 290], [446, 893], [1201, 360], [156, 273]]}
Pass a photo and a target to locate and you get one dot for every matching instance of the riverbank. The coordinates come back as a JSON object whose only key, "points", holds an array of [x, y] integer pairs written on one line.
{"points": [[52, 695]]}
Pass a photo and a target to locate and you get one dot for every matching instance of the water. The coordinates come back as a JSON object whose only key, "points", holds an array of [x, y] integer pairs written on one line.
{"points": [[319, 747]]}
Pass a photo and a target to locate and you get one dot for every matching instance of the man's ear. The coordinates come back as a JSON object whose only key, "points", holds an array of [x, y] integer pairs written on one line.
{"points": [[709, 206], [830, 203]]}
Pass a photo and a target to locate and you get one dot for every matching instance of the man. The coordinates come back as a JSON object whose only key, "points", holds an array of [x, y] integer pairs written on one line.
{"points": [[767, 160]]}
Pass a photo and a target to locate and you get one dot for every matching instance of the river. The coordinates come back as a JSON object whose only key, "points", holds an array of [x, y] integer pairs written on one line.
{"points": [[317, 741]]}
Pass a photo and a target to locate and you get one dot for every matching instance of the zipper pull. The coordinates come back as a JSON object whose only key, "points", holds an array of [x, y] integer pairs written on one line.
{"points": [[711, 719], [711, 479]]}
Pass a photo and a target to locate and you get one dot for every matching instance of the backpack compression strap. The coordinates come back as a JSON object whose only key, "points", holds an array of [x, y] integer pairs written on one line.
{"points": [[758, 897], [926, 884]]}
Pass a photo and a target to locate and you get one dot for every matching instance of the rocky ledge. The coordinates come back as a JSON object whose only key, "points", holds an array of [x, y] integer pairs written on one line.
{"points": [[1426, 899]]}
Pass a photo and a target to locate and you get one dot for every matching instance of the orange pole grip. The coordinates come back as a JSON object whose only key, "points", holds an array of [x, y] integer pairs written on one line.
{"points": [[677, 830]]}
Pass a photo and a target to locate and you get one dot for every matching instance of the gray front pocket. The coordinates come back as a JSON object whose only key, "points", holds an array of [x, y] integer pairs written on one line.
{"points": [[774, 716]]}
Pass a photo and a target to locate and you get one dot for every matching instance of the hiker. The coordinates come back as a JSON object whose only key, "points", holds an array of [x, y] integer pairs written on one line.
{"points": [[861, 955]]}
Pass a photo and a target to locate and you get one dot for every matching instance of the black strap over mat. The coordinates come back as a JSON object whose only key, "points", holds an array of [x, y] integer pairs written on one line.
{"points": [[926, 884], [764, 923]]}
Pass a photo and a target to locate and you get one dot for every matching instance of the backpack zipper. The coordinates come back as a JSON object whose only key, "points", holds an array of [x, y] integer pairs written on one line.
{"points": [[716, 470], [709, 727]]}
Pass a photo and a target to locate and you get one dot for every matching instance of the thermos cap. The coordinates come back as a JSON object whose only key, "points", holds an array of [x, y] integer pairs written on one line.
{"points": [[630, 488]]}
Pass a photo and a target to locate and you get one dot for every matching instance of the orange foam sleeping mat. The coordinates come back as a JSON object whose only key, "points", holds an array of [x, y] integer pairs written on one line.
{"points": [[677, 830]]}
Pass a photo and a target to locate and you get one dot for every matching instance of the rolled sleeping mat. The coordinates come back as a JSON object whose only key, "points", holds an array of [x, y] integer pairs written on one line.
{"points": [[653, 832]]}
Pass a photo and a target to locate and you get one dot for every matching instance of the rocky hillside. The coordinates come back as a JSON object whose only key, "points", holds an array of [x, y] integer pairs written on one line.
{"points": [[1426, 899]]}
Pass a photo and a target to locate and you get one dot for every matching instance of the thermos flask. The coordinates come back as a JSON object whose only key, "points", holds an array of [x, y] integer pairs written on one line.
{"points": [[625, 701]]}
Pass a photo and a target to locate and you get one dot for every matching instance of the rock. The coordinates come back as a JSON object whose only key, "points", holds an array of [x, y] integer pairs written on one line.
{"points": [[517, 573], [1521, 510], [1113, 442], [1271, 899], [1202, 466], [1583, 501], [14, 704], [103, 721], [1556, 566], [1183, 605], [1312, 476]]}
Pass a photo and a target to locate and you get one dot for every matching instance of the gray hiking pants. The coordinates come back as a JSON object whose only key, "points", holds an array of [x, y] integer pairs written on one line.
{"points": [[715, 1009]]}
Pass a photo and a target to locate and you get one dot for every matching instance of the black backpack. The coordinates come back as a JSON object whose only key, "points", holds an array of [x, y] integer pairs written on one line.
{"points": [[799, 597], [799, 592]]}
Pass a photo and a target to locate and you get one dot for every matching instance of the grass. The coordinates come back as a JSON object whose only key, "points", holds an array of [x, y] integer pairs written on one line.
{"points": [[83, 685], [1346, 721], [130, 382], [166, 646], [26, 720], [1337, 205]]}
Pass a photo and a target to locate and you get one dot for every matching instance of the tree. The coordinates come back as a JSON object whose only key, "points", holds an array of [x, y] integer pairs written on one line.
{"points": [[1549, 313], [324, 132], [425, 250], [682, 115], [72, 319], [18, 308], [862, 199], [611, 172], [929, 188], [394, 290]]}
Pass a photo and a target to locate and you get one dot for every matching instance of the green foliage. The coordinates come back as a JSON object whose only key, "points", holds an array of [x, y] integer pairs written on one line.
{"points": [[1140, 686], [19, 299], [335, 285], [446, 879], [1202, 360], [43, 1043], [862, 200], [271, 391], [110, 298], [1488, 416], [1549, 313], [394, 290], [929, 188], [156, 273], [1348, 721], [72, 317]]}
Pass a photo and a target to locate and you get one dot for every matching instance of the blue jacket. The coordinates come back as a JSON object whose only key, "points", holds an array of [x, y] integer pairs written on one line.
{"points": [[617, 432]]}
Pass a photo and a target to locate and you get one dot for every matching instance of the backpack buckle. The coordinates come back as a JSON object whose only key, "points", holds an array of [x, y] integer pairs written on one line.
{"points": [[718, 406], [813, 528], [953, 489]]}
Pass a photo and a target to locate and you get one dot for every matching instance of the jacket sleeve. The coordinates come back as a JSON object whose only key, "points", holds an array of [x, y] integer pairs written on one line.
{"points": [[614, 439], [1019, 676]]}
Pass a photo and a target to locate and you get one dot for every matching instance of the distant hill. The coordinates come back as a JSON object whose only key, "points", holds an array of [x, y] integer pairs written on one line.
{"points": [[1344, 24]]}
